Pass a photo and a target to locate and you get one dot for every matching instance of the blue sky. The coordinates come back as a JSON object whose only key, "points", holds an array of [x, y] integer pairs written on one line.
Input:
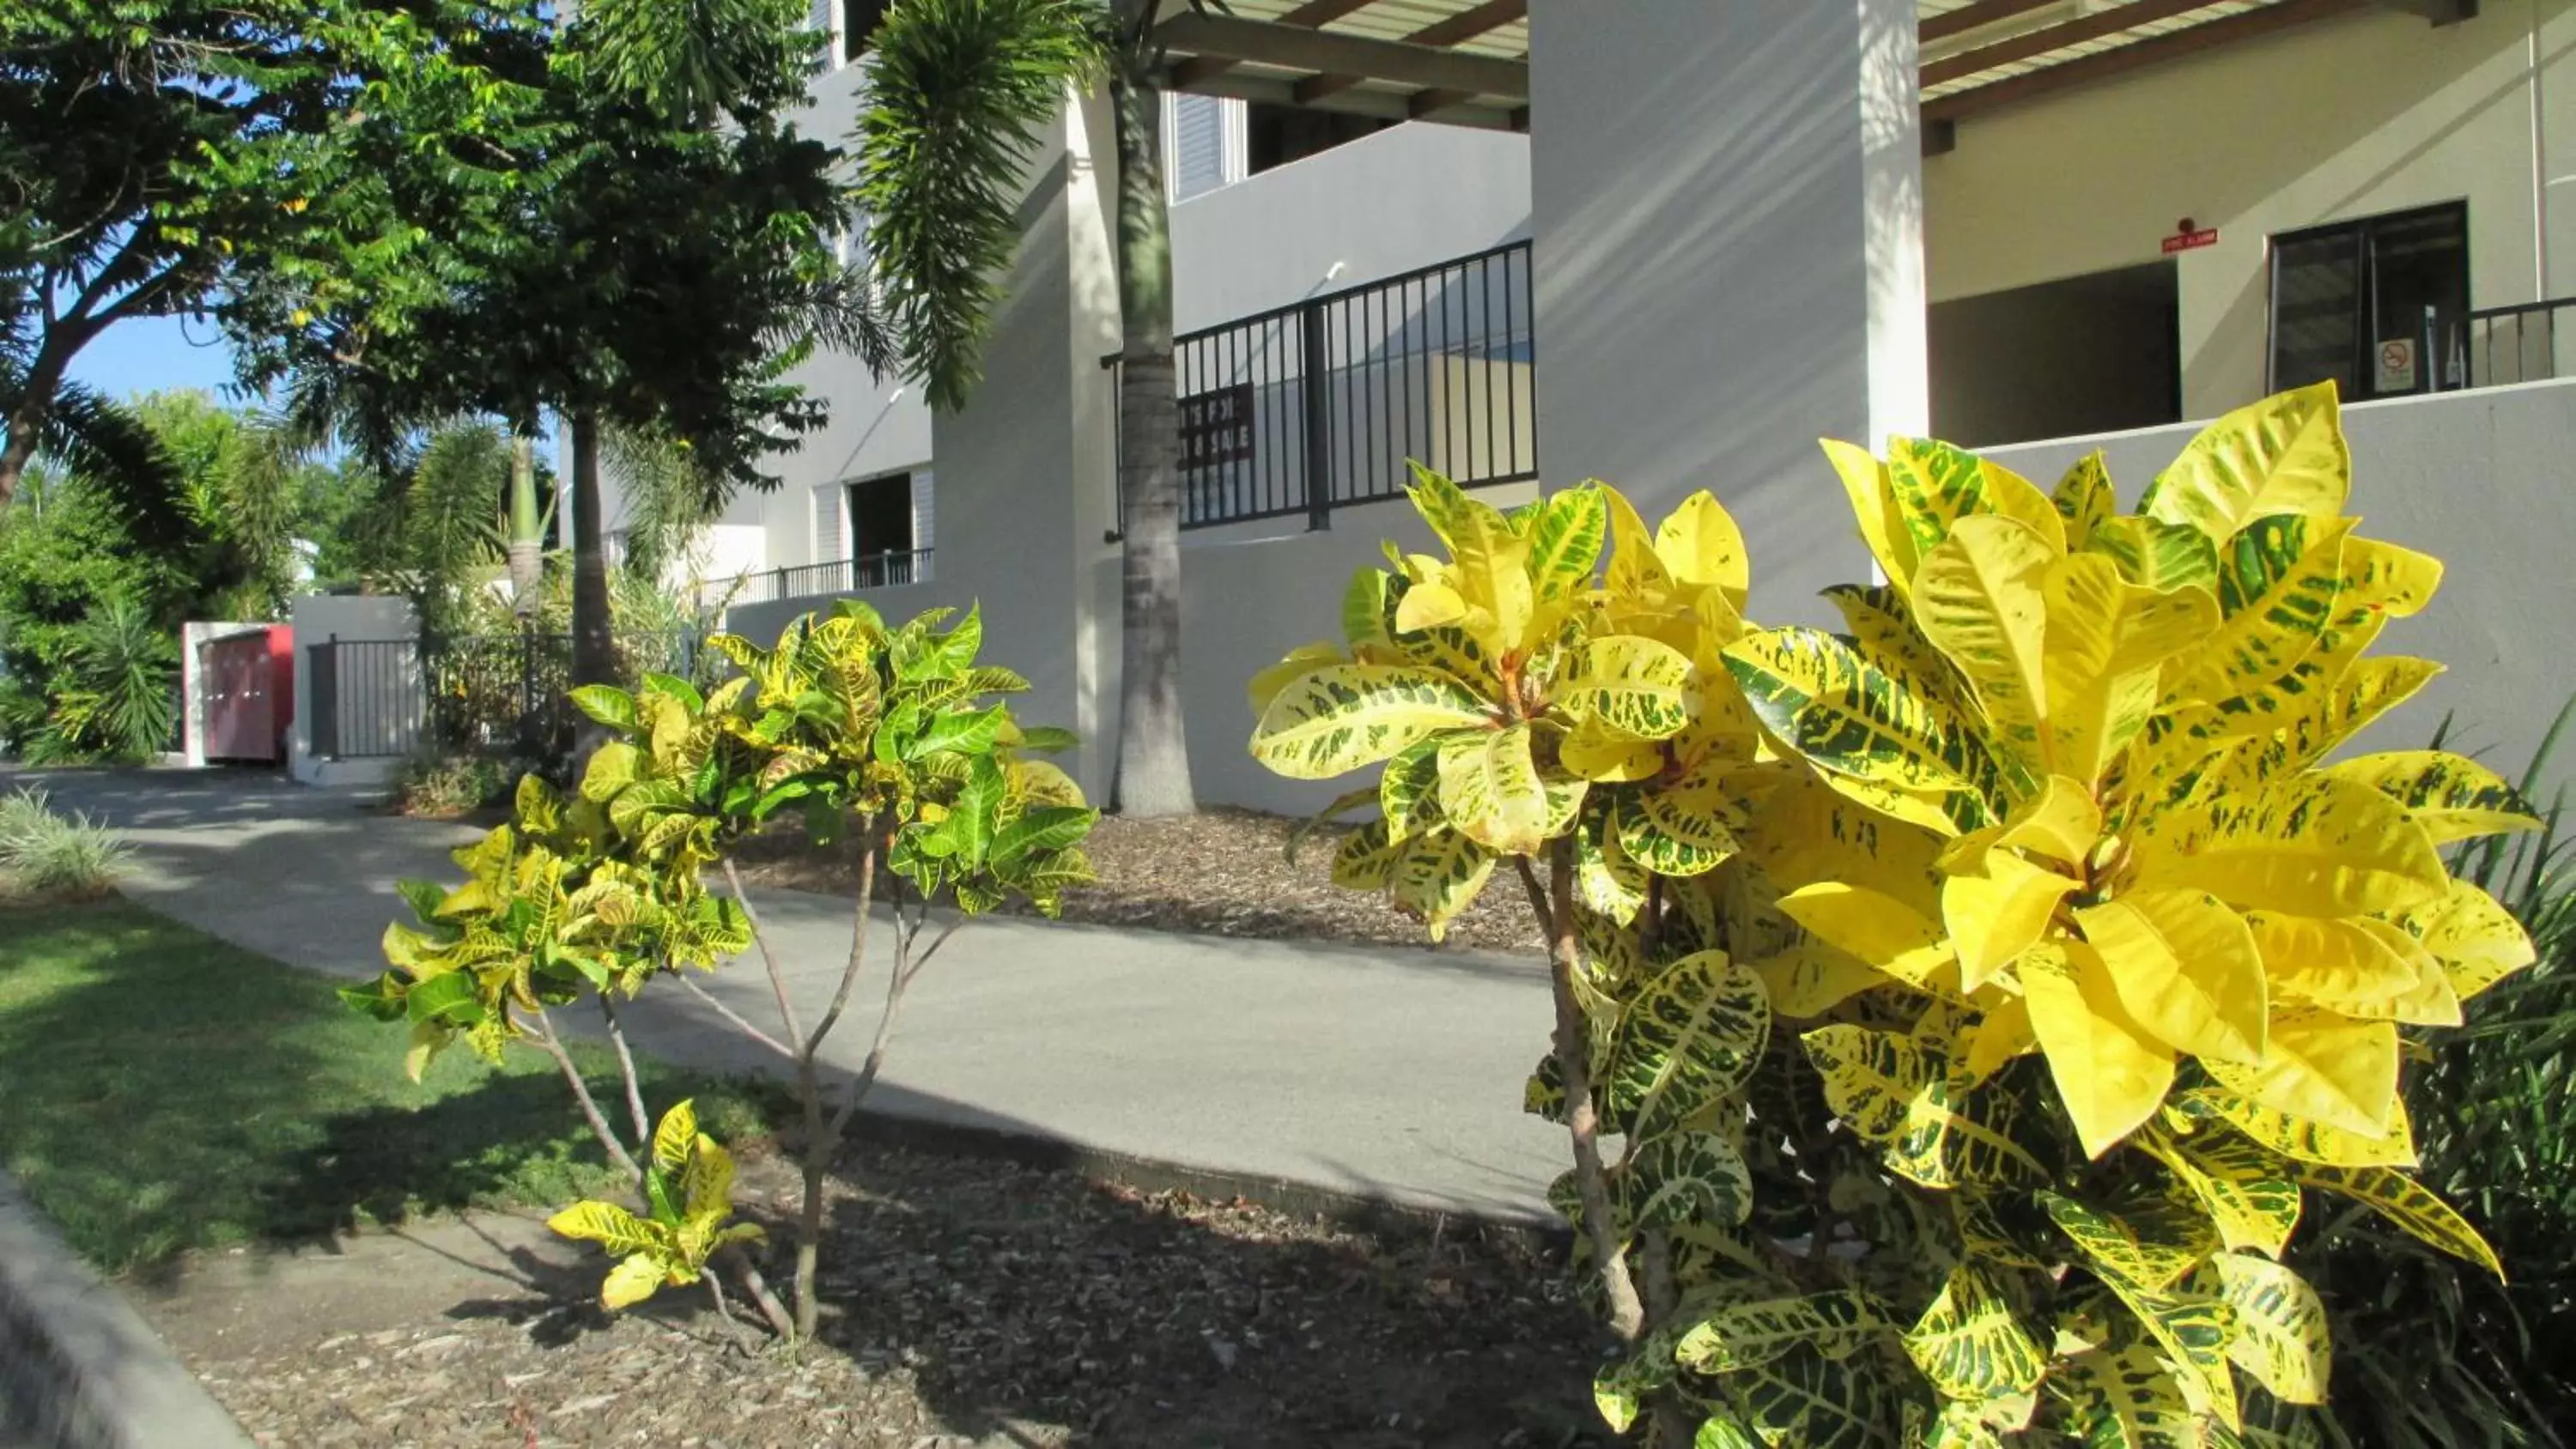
{"points": [[154, 353]]}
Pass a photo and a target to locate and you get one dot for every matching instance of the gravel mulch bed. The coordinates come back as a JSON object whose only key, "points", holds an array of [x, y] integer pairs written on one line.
{"points": [[1221, 873], [970, 1302]]}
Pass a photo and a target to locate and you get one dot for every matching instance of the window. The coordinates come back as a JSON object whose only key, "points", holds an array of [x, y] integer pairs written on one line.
{"points": [[1276, 135], [859, 20], [2373, 305]]}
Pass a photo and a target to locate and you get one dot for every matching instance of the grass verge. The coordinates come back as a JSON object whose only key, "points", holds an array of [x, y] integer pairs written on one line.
{"points": [[161, 1091]]}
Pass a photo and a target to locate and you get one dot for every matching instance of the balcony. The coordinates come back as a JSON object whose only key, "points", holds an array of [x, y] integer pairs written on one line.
{"points": [[1321, 404], [822, 580]]}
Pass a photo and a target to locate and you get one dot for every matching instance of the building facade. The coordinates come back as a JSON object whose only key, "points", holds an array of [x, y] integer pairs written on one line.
{"points": [[1726, 226]]}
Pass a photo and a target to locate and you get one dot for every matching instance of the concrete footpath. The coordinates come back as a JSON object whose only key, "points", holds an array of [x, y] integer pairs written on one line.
{"points": [[1384, 1073]]}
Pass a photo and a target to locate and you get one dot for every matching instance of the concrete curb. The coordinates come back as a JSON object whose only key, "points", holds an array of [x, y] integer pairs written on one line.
{"points": [[79, 1368]]}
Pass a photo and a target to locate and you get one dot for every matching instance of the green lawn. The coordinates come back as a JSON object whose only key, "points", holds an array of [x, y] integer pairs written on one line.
{"points": [[161, 1090]]}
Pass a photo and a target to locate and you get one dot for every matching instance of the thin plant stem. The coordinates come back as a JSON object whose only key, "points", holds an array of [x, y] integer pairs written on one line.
{"points": [[626, 1072], [821, 1138], [768, 958], [1555, 906], [757, 1287], [734, 1018], [543, 1035]]}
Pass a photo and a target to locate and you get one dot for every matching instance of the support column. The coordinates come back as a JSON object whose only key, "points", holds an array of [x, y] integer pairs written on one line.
{"points": [[1727, 215]]}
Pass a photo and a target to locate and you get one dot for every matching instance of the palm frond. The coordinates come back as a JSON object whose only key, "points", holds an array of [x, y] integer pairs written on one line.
{"points": [[959, 89]]}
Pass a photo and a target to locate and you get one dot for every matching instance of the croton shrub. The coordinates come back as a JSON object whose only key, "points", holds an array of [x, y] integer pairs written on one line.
{"points": [[1978, 996]]}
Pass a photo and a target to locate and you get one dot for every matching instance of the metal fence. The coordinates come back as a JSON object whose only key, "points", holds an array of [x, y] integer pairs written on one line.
{"points": [[1323, 403], [506, 694], [2515, 344], [840, 576]]}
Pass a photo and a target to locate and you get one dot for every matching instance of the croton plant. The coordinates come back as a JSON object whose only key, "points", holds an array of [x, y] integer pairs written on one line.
{"points": [[1978, 995]]}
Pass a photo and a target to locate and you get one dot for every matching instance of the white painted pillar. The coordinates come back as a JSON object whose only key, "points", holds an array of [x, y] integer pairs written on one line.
{"points": [[1727, 213]]}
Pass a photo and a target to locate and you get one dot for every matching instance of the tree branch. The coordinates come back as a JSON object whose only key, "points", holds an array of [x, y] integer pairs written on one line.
{"points": [[626, 1070], [545, 1038], [768, 958], [738, 1021], [1574, 1063]]}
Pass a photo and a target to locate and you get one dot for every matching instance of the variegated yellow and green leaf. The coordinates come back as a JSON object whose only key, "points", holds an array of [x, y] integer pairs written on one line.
{"points": [[1490, 790], [1693, 1034], [2281, 1336], [1891, 1090], [1366, 859], [1700, 546], [1302, 660], [1644, 839], [2165, 557], [1340, 718], [2309, 845], [2122, 1399], [2451, 796], [2147, 1246], [1408, 789], [2247, 1190], [1828, 704], [2282, 455], [2477, 941], [1727, 1337], [1969, 1343], [1806, 1400], [1978, 599], [1874, 508], [2322, 1067], [2409, 1205], [1438, 873], [1566, 536], [1681, 1177], [2298, 1139], [1631, 685], [1937, 485], [2084, 498]]}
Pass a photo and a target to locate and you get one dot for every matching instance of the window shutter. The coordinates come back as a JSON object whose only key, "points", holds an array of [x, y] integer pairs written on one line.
{"points": [[1199, 156], [831, 537], [921, 509]]}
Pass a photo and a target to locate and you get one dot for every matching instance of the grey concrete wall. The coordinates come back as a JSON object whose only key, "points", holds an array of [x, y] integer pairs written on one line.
{"points": [[2477, 479], [1403, 198], [318, 618], [1727, 217]]}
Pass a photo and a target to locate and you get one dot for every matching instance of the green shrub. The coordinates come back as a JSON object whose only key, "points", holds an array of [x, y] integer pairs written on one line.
{"points": [[45, 852], [435, 784]]}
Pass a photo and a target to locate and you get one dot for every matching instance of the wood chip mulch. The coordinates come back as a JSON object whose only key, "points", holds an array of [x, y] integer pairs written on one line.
{"points": [[970, 1304], [1219, 873]]}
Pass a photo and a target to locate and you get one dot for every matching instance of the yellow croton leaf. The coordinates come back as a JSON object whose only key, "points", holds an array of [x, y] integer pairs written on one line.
{"points": [[2281, 1337], [1604, 754], [1977, 597], [2006, 1031], [2477, 941], [1429, 605], [1635, 573], [2296, 1138], [2322, 1067], [2187, 968], [2084, 498], [2311, 845], [1631, 684], [2451, 796], [1812, 978], [1490, 790], [1438, 873], [1700, 545], [1811, 832], [1873, 502], [1878, 928], [1997, 913], [2107, 642], [2250, 1194], [632, 1281], [2110, 1070], [2336, 963], [2285, 454], [1303, 659], [1339, 718]]}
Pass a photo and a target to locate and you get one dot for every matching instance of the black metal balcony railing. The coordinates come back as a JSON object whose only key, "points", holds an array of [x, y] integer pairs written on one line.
{"points": [[2513, 344], [840, 576], [1322, 403]]}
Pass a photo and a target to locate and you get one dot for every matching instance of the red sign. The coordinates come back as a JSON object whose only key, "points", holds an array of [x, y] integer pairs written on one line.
{"points": [[2185, 241]]}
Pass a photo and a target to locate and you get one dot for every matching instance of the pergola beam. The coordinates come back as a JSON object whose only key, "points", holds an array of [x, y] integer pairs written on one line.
{"points": [[1314, 14], [2032, 43], [2084, 70], [1383, 105], [1969, 17], [2440, 12], [1330, 52], [1463, 26]]}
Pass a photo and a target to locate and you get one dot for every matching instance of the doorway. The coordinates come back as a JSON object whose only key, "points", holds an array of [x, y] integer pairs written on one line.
{"points": [[2091, 354]]}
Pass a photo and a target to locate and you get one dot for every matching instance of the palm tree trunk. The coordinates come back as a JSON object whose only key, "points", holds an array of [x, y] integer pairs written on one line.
{"points": [[594, 648], [527, 537], [1153, 754]]}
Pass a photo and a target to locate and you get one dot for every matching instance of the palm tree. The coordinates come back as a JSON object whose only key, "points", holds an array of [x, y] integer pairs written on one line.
{"points": [[956, 89]]}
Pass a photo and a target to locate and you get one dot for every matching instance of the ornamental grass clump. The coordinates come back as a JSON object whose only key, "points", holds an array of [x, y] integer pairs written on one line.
{"points": [[850, 725], [1979, 995]]}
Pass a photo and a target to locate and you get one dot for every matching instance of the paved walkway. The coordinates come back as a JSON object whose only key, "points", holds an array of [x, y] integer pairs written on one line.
{"points": [[1394, 1074]]}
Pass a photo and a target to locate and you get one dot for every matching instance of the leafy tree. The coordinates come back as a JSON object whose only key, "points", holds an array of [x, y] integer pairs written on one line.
{"points": [[850, 725], [957, 87], [1983, 996], [137, 141], [640, 244]]}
